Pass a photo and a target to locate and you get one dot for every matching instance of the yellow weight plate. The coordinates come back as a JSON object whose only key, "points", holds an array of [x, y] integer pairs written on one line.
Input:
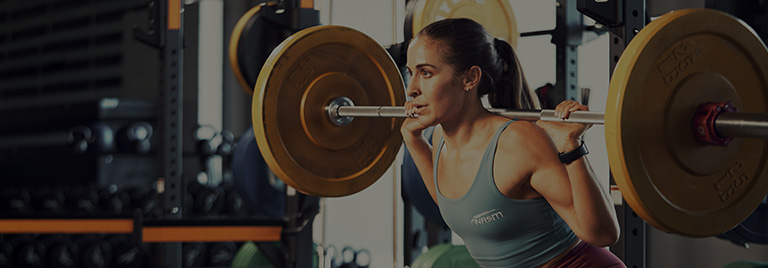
{"points": [[495, 15], [295, 136], [676, 63], [252, 39]]}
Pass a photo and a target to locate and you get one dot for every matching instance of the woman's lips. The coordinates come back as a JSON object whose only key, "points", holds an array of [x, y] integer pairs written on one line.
{"points": [[419, 108]]}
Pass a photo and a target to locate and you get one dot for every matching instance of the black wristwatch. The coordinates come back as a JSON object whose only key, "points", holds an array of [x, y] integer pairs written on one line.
{"points": [[567, 158]]}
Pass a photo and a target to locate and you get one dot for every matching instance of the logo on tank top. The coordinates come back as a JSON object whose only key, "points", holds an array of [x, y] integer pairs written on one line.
{"points": [[487, 217]]}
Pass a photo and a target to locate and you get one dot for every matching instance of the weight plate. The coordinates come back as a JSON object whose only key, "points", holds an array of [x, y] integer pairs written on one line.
{"points": [[252, 39], [297, 139], [456, 256], [676, 63], [263, 193], [445, 255], [496, 16], [249, 255], [752, 230]]}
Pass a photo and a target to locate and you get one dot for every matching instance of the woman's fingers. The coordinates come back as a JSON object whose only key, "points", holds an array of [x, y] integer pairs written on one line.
{"points": [[409, 107], [565, 108]]}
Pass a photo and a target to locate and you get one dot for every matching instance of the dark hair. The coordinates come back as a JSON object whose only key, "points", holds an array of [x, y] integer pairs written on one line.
{"points": [[466, 43]]}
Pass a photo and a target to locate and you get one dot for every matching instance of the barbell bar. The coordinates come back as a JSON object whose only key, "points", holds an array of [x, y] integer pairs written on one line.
{"points": [[726, 124], [342, 107]]}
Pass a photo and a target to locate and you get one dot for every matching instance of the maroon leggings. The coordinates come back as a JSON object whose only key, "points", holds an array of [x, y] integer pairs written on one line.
{"points": [[585, 255]]}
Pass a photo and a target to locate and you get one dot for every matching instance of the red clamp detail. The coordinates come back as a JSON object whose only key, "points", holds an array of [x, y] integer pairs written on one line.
{"points": [[704, 123]]}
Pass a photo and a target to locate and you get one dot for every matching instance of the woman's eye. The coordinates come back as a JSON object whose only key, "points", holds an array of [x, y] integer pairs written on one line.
{"points": [[425, 73]]}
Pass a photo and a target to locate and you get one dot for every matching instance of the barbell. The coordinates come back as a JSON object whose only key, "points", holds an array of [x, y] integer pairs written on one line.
{"points": [[687, 84]]}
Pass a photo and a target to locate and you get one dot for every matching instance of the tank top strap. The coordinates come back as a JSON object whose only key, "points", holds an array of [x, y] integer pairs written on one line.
{"points": [[486, 166], [491, 150], [440, 144]]}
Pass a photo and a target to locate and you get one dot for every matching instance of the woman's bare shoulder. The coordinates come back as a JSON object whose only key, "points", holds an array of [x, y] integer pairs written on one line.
{"points": [[524, 136]]}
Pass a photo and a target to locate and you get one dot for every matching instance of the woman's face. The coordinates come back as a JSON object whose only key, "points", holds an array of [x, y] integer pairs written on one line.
{"points": [[436, 90]]}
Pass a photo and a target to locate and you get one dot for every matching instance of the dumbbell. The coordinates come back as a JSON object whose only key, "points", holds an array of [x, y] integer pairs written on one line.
{"points": [[227, 143], [207, 201], [59, 251], [102, 138], [94, 252], [363, 259], [333, 258], [6, 253], [125, 253], [144, 199], [81, 199], [113, 200], [135, 137], [204, 135], [234, 204], [355, 258], [193, 254], [15, 199], [27, 251], [349, 258], [47, 199], [220, 254], [78, 138]]}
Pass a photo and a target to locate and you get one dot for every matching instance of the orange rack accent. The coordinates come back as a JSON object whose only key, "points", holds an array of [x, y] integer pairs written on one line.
{"points": [[174, 14], [211, 233], [70, 226], [150, 234]]}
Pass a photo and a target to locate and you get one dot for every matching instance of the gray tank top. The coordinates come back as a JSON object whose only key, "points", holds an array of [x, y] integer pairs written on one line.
{"points": [[500, 231]]}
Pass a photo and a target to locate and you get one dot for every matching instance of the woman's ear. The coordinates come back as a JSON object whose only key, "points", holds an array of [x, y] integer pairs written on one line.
{"points": [[472, 77]]}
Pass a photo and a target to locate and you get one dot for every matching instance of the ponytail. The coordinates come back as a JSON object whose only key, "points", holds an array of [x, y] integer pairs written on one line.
{"points": [[511, 89]]}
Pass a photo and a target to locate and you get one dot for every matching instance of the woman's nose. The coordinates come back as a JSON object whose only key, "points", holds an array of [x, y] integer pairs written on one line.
{"points": [[412, 89]]}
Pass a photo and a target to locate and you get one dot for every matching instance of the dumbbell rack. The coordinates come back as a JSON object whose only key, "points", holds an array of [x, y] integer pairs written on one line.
{"points": [[169, 230], [300, 209]]}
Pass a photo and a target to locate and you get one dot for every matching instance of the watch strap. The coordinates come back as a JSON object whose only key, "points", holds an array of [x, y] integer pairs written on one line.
{"points": [[569, 157]]}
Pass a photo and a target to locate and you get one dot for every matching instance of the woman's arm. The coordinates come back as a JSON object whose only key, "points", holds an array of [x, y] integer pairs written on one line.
{"points": [[592, 204], [421, 151], [572, 190]]}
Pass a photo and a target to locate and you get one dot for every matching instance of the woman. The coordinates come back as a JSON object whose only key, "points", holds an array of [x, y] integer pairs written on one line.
{"points": [[500, 184]]}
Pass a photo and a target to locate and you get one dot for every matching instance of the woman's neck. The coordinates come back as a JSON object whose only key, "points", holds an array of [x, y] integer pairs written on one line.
{"points": [[463, 129]]}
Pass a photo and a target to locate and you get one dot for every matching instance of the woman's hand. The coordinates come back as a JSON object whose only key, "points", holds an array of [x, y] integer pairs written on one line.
{"points": [[567, 136], [411, 128]]}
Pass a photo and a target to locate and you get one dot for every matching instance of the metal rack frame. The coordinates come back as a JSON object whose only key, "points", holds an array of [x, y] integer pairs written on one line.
{"points": [[624, 19], [301, 209]]}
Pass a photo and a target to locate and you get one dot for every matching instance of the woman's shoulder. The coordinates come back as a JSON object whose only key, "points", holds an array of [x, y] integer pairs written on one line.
{"points": [[523, 135], [522, 129]]}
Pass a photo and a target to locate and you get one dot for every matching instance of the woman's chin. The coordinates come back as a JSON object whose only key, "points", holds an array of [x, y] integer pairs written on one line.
{"points": [[426, 120]]}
